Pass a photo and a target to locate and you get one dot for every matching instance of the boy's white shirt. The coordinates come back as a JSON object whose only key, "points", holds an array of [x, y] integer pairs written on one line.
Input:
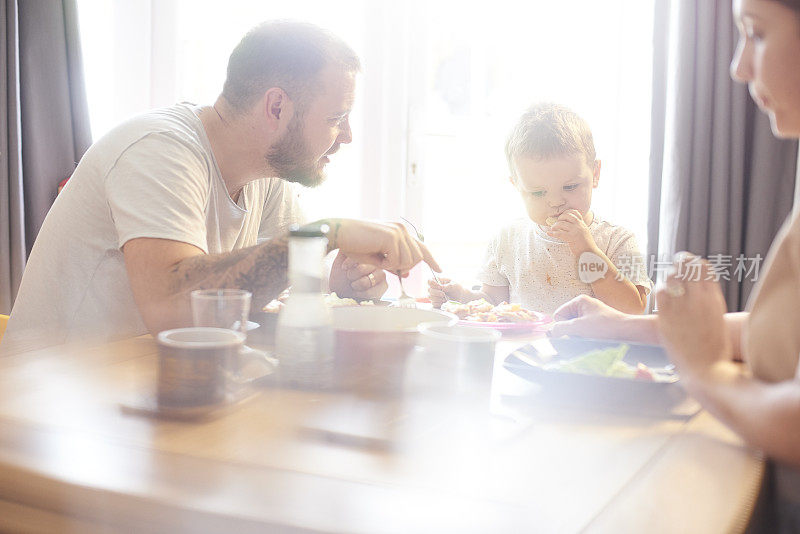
{"points": [[542, 273]]}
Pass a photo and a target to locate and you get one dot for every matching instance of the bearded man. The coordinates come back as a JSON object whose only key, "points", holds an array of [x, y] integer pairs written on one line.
{"points": [[192, 197]]}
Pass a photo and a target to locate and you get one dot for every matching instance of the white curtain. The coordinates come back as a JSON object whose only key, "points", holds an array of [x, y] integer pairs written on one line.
{"points": [[441, 87]]}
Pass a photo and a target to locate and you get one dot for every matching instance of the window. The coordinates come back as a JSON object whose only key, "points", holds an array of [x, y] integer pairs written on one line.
{"points": [[474, 74], [442, 85], [144, 54]]}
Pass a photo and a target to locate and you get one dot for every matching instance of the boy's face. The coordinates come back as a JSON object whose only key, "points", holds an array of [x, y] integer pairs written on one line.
{"points": [[551, 186]]}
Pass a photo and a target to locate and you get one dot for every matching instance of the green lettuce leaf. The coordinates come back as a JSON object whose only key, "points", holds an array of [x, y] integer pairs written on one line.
{"points": [[606, 362]]}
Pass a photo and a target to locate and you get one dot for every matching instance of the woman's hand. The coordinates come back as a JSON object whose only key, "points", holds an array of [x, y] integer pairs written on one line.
{"points": [[358, 280], [588, 317], [691, 310]]}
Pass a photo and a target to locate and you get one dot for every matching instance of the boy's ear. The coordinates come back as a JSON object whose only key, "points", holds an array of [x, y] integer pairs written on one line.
{"points": [[596, 173]]}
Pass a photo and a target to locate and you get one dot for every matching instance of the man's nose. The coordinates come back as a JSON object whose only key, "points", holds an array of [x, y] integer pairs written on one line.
{"points": [[345, 135]]}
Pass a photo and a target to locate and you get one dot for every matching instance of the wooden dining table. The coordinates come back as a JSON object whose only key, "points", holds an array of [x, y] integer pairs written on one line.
{"points": [[77, 456]]}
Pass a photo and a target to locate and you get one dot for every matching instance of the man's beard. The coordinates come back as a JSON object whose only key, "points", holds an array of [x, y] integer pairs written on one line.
{"points": [[292, 160]]}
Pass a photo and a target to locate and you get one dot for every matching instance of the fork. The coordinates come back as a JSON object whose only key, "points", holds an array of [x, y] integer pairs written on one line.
{"points": [[422, 240], [404, 300]]}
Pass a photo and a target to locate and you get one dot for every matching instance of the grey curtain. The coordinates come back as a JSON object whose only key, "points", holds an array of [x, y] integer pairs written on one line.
{"points": [[44, 122], [721, 184]]}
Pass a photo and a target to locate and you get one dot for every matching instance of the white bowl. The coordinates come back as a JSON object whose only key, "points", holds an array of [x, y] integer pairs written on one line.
{"points": [[458, 333], [458, 358], [373, 344], [386, 319]]}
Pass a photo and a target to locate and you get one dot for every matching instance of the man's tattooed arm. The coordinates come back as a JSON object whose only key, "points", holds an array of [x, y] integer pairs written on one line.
{"points": [[163, 273], [261, 269]]}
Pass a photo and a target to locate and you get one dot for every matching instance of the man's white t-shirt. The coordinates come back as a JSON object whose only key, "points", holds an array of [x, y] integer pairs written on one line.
{"points": [[154, 176], [542, 273]]}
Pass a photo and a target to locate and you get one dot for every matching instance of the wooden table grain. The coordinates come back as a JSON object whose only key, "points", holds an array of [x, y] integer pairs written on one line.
{"points": [[301, 461]]}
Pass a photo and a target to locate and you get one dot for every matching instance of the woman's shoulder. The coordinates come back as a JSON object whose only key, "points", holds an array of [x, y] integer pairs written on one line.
{"points": [[787, 241]]}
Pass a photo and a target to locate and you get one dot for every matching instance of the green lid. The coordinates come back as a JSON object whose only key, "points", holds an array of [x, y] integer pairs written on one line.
{"points": [[309, 230]]}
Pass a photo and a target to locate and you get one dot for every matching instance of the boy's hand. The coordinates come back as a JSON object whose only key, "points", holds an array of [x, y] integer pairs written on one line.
{"points": [[571, 229], [441, 293]]}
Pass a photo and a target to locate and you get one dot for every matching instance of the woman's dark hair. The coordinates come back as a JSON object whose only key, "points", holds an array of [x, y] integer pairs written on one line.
{"points": [[791, 4]]}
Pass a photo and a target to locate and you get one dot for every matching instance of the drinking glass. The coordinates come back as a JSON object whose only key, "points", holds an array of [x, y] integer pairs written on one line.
{"points": [[229, 308], [221, 308]]}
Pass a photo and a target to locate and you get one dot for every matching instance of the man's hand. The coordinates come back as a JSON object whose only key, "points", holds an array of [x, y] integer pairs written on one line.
{"points": [[356, 280], [388, 246], [571, 228]]}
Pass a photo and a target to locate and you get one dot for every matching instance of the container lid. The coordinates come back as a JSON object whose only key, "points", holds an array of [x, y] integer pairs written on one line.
{"points": [[309, 230]]}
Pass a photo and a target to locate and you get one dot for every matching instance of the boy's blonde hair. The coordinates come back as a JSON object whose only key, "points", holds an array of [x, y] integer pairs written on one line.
{"points": [[549, 130]]}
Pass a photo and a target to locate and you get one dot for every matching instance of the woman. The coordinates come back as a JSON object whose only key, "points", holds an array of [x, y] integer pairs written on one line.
{"points": [[692, 324]]}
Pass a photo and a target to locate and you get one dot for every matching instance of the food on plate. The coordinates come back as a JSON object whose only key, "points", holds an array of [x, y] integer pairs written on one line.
{"points": [[505, 313], [482, 311], [609, 362], [334, 301], [273, 306], [463, 310], [276, 304]]}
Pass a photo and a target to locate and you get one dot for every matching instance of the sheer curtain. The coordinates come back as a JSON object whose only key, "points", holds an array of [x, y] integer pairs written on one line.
{"points": [[441, 87], [473, 72], [144, 54], [721, 183]]}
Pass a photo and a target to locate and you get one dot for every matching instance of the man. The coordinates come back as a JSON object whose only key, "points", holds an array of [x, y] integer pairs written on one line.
{"points": [[176, 199]]}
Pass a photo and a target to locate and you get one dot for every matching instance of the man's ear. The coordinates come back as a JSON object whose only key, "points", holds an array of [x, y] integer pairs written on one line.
{"points": [[278, 108], [596, 174]]}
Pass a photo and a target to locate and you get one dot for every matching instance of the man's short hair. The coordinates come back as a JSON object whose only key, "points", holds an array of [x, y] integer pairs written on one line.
{"points": [[548, 130], [285, 54]]}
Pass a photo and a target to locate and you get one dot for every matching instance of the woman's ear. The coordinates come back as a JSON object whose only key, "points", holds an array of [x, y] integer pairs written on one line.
{"points": [[596, 173], [512, 180]]}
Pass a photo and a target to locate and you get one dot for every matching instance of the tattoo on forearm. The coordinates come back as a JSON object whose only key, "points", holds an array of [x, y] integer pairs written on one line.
{"points": [[261, 269]]}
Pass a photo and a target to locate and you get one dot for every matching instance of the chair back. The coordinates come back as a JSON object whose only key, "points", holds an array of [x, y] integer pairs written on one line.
{"points": [[3, 323]]}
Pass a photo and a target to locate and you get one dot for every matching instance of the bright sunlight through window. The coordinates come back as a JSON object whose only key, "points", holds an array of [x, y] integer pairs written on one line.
{"points": [[442, 85]]}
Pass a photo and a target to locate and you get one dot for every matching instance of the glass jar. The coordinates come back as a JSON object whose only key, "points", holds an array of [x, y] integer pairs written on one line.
{"points": [[304, 336]]}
